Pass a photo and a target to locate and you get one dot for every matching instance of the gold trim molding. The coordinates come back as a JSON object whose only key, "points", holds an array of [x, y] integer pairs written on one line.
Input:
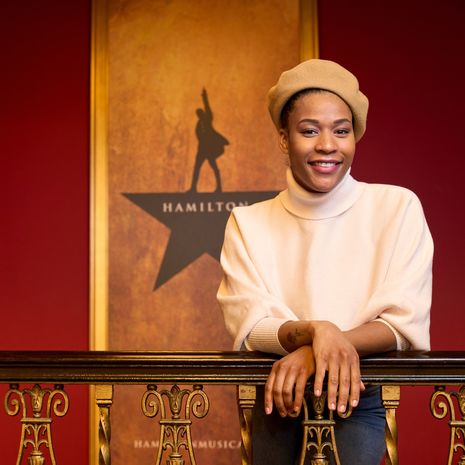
{"points": [[98, 286], [99, 178], [309, 44]]}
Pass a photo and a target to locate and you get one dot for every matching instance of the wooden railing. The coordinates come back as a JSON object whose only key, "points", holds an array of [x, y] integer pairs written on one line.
{"points": [[175, 406]]}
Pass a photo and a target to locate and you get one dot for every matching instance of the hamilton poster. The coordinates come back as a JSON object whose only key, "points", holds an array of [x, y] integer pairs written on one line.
{"points": [[189, 138]]}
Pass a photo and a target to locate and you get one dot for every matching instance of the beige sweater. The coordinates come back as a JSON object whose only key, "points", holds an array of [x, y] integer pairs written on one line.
{"points": [[359, 253]]}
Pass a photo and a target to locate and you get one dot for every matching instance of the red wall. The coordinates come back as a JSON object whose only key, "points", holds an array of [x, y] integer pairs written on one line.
{"points": [[408, 55], [44, 245]]}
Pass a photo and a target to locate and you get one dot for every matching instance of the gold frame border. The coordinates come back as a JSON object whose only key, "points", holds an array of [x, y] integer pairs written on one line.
{"points": [[99, 222], [98, 273], [309, 43], [98, 324]]}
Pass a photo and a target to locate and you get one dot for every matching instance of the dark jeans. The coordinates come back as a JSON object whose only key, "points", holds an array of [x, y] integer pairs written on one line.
{"points": [[360, 438]]}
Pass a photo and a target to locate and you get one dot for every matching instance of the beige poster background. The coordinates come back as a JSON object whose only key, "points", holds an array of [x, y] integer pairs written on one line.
{"points": [[162, 54]]}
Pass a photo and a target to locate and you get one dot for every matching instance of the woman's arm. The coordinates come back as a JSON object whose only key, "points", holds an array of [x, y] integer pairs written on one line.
{"points": [[372, 338], [333, 351], [367, 339]]}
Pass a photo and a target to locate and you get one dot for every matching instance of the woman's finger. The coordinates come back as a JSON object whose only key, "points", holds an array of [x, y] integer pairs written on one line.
{"points": [[288, 392], [333, 384], [320, 373], [277, 389], [300, 384], [269, 392], [356, 385], [344, 387]]}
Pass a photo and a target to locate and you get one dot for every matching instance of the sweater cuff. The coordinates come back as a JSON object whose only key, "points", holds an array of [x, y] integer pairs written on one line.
{"points": [[402, 342], [264, 336]]}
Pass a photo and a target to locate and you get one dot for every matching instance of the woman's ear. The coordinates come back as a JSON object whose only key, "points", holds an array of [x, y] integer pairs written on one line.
{"points": [[284, 141]]}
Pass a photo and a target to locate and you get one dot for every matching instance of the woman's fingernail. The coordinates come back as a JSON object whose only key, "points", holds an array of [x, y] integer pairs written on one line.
{"points": [[354, 403], [342, 408], [267, 410], [317, 392], [332, 406]]}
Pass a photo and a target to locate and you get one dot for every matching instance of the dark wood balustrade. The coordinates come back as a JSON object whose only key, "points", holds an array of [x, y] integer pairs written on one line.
{"points": [[244, 369]]}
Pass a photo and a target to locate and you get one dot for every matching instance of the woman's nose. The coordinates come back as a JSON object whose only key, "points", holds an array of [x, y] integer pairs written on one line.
{"points": [[325, 143]]}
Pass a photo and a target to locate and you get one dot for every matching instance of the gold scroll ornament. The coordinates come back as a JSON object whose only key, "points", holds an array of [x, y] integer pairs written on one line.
{"points": [[36, 428], [442, 404], [175, 432]]}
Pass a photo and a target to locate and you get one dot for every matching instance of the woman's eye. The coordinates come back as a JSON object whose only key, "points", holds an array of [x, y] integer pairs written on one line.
{"points": [[309, 132], [342, 132]]}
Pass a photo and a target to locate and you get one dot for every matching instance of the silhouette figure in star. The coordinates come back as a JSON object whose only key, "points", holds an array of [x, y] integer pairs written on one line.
{"points": [[211, 144]]}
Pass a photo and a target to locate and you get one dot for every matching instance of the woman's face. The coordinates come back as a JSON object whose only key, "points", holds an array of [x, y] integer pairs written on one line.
{"points": [[319, 140]]}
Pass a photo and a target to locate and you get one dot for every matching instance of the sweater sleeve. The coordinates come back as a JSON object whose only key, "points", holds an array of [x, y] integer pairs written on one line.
{"points": [[403, 301], [252, 314]]}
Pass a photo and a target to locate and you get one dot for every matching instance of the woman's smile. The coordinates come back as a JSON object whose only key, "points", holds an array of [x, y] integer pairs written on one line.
{"points": [[324, 167]]}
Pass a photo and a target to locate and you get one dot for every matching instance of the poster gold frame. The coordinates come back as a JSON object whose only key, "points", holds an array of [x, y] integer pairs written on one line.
{"points": [[99, 221]]}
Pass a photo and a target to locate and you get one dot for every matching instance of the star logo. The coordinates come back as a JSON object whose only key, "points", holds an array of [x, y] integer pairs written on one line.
{"points": [[196, 221]]}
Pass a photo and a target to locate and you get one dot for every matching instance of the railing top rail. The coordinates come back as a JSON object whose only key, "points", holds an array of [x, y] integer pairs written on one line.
{"points": [[210, 367]]}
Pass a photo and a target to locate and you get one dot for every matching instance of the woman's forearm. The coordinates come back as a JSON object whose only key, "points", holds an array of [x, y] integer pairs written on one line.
{"points": [[295, 334], [367, 339], [371, 338]]}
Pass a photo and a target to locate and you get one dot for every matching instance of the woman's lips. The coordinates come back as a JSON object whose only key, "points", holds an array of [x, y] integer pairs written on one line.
{"points": [[324, 166]]}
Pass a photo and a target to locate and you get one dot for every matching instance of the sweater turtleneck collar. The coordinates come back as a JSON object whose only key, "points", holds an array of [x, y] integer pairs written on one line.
{"points": [[315, 206]]}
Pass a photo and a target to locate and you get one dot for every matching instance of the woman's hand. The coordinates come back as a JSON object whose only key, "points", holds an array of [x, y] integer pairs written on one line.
{"points": [[287, 380], [335, 354]]}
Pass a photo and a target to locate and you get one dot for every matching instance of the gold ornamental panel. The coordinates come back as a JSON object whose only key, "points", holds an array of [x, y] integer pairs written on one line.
{"points": [[452, 403], [175, 419], [37, 406]]}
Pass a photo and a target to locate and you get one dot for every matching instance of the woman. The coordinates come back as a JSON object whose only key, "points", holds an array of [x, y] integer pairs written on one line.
{"points": [[329, 270]]}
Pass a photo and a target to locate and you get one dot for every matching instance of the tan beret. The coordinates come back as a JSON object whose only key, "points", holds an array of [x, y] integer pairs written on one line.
{"points": [[320, 74]]}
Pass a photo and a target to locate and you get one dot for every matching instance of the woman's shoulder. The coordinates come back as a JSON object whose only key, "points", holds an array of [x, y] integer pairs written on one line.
{"points": [[255, 209], [391, 203], [389, 193], [257, 217]]}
